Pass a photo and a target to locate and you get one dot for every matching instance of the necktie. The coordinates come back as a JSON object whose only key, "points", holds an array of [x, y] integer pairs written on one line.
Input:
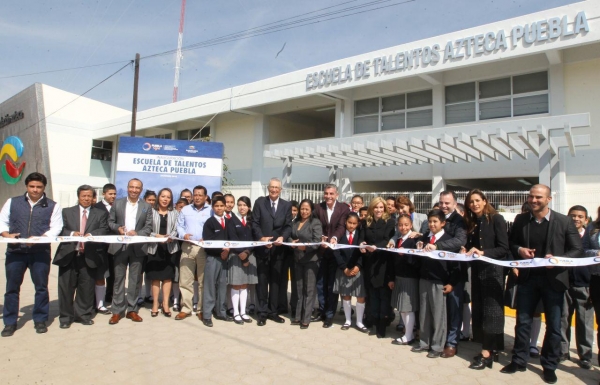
{"points": [[228, 216], [350, 238], [273, 207], [432, 240], [244, 221], [400, 242], [222, 222], [82, 229]]}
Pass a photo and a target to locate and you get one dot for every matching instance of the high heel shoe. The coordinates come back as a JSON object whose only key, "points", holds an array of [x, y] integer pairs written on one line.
{"points": [[481, 362], [165, 313], [494, 353], [154, 313]]}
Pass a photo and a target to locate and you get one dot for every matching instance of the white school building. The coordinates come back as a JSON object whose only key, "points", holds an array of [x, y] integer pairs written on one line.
{"points": [[500, 107]]}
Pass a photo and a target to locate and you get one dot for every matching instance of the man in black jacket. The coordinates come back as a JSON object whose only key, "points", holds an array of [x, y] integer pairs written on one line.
{"points": [[271, 221], [543, 233]]}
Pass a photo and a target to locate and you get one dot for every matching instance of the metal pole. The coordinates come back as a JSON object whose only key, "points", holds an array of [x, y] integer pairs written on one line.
{"points": [[135, 93]]}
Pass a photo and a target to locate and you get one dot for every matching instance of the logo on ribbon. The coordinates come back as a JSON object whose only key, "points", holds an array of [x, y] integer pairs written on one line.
{"points": [[553, 261], [11, 170], [597, 259], [442, 254], [513, 264]]}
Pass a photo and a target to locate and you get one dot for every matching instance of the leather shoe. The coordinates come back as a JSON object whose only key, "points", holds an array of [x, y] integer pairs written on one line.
{"points": [[584, 364], [419, 349], [182, 315], [134, 316], [261, 322], [9, 330], [434, 354], [226, 318], [40, 327], [448, 352], [317, 316], [327, 324], [103, 310], [207, 322], [549, 376], [65, 325], [276, 318], [85, 322], [513, 368], [114, 319]]}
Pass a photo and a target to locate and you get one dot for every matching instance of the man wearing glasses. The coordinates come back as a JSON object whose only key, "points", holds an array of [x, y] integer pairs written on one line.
{"points": [[271, 221]]}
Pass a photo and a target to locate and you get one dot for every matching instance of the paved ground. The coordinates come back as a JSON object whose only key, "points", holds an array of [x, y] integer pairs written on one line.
{"points": [[161, 350]]}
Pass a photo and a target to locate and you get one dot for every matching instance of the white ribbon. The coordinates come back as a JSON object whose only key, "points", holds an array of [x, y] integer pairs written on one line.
{"points": [[438, 254]]}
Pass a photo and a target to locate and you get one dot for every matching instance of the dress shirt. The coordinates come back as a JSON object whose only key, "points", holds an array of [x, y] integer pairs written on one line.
{"points": [[56, 221], [330, 211], [276, 201], [131, 210], [448, 215], [348, 235], [438, 235], [81, 210], [582, 232], [191, 221], [546, 217], [107, 205], [218, 218]]}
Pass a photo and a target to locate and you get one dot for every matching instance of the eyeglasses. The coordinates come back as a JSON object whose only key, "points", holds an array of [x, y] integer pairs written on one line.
{"points": [[274, 188]]}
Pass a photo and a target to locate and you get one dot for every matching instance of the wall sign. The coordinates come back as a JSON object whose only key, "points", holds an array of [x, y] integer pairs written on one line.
{"points": [[543, 31], [8, 119], [10, 169]]}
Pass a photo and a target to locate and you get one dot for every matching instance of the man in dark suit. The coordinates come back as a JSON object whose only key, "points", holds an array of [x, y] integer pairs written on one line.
{"points": [[332, 215], [128, 216], [77, 262], [543, 233], [271, 221], [105, 277], [456, 228]]}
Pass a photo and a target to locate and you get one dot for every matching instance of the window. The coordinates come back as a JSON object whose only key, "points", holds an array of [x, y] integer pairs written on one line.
{"points": [[499, 98], [162, 136], [199, 134], [101, 162], [393, 112]]}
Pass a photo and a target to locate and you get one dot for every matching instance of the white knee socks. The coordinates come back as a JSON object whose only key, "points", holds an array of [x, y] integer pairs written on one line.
{"points": [[347, 311], [409, 323], [100, 293], [360, 311], [235, 302], [243, 299]]}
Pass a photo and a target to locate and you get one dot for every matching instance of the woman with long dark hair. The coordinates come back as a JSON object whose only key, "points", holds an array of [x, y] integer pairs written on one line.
{"points": [[161, 256], [242, 263], [486, 235], [306, 229]]}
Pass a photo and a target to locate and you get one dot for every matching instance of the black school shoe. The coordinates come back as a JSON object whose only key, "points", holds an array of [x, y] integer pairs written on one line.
{"points": [[40, 327], [8, 330]]}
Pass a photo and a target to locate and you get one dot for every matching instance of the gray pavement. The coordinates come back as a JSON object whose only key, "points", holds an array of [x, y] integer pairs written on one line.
{"points": [[164, 351]]}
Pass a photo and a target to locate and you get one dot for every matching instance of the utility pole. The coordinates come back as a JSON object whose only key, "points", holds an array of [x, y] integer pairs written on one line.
{"points": [[179, 56], [135, 93]]}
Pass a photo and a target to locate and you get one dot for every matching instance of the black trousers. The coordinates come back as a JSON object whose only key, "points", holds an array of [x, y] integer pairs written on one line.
{"points": [[110, 280], [282, 305], [76, 284], [595, 296], [269, 269]]}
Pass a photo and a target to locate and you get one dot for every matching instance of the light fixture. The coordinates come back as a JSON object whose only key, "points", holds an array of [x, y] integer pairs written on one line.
{"points": [[524, 181], [325, 109]]}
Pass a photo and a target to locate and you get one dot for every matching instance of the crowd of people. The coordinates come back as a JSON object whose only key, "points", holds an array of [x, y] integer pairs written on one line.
{"points": [[441, 303]]}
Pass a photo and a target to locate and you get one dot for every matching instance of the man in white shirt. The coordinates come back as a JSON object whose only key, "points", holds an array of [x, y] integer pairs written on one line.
{"points": [[26, 216]]}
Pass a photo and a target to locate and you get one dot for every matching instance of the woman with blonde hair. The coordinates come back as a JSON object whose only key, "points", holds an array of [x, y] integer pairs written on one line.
{"points": [[378, 228]]}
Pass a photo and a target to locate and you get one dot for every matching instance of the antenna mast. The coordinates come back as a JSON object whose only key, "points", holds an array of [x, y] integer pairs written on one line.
{"points": [[179, 55]]}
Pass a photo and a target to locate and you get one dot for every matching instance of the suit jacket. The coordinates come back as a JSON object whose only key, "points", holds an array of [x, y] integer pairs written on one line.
{"points": [[376, 263], [348, 258], [591, 246], [96, 225], [143, 225], [310, 232], [100, 205], [213, 231], [267, 224], [172, 215], [493, 238], [440, 271], [562, 240], [236, 231], [334, 228]]}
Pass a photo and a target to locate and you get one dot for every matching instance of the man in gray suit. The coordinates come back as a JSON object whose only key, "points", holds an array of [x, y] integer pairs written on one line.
{"points": [[78, 261], [128, 216]]}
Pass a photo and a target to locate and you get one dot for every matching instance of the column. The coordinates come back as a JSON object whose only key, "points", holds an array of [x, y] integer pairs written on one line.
{"points": [[340, 117], [438, 184], [345, 190], [261, 137], [334, 177], [558, 181], [544, 156], [286, 178]]}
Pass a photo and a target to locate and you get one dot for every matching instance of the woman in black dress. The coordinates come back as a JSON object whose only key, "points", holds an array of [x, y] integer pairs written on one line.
{"points": [[486, 235], [378, 229], [161, 256]]}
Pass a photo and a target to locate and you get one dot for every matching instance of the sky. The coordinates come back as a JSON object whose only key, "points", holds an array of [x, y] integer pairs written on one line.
{"points": [[45, 35]]}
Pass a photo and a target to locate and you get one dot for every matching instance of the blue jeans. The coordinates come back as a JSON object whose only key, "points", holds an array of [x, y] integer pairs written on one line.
{"points": [[528, 296], [454, 306], [39, 268]]}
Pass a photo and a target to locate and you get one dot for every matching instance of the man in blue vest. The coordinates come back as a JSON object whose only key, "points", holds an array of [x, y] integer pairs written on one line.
{"points": [[25, 216]]}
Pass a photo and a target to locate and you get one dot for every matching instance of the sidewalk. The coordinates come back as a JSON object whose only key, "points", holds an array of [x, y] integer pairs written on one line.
{"points": [[163, 351]]}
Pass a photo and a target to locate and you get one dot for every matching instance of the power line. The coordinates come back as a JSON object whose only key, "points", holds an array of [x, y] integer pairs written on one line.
{"points": [[263, 30], [81, 95], [65, 69]]}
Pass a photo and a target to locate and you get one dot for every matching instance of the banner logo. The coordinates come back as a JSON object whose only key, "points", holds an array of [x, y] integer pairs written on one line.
{"points": [[442, 254], [146, 146], [513, 264], [11, 170], [553, 261]]}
